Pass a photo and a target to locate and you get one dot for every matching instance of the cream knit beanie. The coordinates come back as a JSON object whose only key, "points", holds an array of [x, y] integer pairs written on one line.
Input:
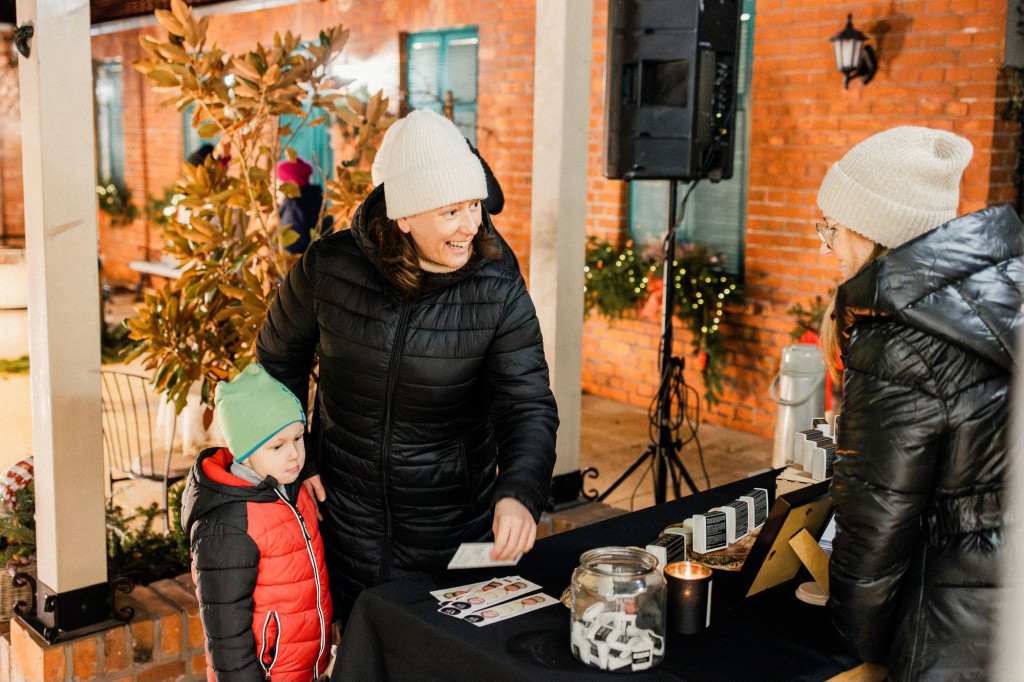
{"points": [[428, 165], [896, 185], [379, 169]]}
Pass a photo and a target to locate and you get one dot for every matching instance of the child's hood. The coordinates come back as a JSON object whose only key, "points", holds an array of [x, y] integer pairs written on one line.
{"points": [[211, 484]]}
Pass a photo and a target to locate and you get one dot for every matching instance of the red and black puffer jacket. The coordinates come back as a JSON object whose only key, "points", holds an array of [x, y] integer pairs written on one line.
{"points": [[261, 579]]}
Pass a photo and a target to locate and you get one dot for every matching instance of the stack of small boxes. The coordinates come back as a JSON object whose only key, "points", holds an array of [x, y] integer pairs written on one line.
{"points": [[814, 450], [713, 530]]}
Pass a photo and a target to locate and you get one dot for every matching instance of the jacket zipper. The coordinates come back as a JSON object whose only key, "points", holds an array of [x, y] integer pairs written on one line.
{"points": [[271, 649], [385, 446], [316, 580]]}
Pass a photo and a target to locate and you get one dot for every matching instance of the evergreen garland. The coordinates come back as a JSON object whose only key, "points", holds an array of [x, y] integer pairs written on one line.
{"points": [[619, 281], [135, 549]]}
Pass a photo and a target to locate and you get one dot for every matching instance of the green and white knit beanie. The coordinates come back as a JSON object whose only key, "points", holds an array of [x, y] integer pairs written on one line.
{"points": [[252, 408]]}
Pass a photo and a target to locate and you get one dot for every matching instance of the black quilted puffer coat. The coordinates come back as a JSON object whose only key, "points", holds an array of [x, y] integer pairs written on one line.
{"points": [[428, 411], [929, 335]]}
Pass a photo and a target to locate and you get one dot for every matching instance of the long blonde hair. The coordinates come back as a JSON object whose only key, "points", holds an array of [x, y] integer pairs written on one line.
{"points": [[829, 328]]}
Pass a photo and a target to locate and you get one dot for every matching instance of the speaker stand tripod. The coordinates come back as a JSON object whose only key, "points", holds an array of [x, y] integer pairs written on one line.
{"points": [[665, 452]]}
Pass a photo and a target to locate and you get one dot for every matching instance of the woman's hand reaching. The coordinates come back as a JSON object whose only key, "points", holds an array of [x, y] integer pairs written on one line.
{"points": [[316, 490], [514, 529]]}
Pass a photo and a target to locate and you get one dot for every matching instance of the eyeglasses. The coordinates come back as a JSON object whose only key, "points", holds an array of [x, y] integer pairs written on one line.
{"points": [[827, 233]]}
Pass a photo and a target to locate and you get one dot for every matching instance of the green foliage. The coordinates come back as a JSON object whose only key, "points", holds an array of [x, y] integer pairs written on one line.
{"points": [[161, 211], [115, 343], [201, 328], [809, 319], [116, 201], [617, 282], [18, 529], [134, 549], [138, 552], [15, 366]]}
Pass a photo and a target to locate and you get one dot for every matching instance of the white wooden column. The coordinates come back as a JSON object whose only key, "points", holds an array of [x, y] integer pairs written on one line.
{"points": [[1008, 655], [63, 288], [561, 110]]}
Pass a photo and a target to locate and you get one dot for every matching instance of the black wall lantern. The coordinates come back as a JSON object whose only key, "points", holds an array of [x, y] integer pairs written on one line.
{"points": [[853, 58]]}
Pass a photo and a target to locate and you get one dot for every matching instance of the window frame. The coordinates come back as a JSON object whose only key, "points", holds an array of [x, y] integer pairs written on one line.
{"points": [[445, 39], [110, 144]]}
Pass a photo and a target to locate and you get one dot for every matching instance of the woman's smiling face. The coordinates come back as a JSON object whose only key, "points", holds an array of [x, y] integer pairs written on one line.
{"points": [[444, 234]]}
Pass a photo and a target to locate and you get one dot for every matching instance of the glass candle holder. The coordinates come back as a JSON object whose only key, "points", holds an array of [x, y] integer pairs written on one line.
{"points": [[689, 597]]}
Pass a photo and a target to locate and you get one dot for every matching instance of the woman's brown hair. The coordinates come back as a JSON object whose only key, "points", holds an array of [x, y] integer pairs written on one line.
{"points": [[401, 263]]}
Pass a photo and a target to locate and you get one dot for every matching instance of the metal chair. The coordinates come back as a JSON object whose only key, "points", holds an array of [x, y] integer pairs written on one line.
{"points": [[134, 444]]}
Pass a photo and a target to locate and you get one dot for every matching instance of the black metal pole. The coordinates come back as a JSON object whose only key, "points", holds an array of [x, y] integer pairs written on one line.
{"points": [[667, 446], [664, 451]]}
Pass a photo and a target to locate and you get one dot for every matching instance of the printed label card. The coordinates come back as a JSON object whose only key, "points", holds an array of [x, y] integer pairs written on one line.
{"points": [[509, 609]]}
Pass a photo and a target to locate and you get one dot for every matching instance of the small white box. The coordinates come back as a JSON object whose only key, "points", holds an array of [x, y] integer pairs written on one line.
{"points": [[799, 458], [822, 458], [758, 499], [710, 532]]}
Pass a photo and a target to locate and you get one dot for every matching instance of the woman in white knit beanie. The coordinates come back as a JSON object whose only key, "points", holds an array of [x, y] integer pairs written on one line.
{"points": [[434, 421], [923, 326]]}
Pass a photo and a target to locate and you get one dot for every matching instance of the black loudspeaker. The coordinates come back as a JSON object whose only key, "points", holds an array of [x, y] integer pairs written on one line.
{"points": [[670, 82]]}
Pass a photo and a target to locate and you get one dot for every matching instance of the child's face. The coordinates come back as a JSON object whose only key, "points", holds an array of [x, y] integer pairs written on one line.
{"points": [[282, 456]]}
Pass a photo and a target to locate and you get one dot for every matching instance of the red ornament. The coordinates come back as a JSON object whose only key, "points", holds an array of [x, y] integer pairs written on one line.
{"points": [[651, 309]]}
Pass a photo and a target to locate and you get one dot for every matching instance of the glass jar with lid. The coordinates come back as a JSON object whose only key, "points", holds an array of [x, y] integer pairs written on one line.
{"points": [[618, 609]]}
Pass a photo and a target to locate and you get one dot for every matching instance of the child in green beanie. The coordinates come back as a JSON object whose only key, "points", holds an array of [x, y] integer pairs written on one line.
{"points": [[257, 555]]}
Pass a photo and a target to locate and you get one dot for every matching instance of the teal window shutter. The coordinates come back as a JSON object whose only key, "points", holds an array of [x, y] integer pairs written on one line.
{"points": [[109, 94], [716, 213], [313, 143], [439, 62]]}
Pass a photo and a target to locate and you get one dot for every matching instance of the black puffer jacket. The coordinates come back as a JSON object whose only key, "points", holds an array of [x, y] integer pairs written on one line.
{"points": [[429, 410], [929, 335]]}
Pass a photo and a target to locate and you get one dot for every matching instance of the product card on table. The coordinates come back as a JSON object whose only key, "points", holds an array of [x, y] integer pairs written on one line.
{"points": [[493, 592], [478, 555], [492, 600], [453, 593], [509, 609]]}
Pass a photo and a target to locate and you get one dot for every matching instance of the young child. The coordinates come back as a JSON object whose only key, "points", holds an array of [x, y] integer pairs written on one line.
{"points": [[257, 555]]}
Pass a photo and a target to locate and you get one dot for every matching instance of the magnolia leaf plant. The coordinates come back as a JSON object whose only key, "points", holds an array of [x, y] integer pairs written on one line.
{"points": [[227, 240]]}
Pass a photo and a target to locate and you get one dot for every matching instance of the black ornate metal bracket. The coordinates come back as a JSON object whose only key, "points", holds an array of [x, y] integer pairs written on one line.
{"points": [[60, 616], [590, 495], [22, 35]]}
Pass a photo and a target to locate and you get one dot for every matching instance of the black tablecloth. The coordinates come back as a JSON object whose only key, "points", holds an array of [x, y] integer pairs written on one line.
{"points": [[395, 631]]}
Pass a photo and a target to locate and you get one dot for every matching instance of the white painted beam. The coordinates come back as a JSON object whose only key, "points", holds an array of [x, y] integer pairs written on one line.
{"points": [[63, 287], [561, 110]]}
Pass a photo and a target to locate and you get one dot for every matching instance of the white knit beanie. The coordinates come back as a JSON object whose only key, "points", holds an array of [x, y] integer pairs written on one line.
{"points": [[896, 185], [428, 165], [379, 169]]}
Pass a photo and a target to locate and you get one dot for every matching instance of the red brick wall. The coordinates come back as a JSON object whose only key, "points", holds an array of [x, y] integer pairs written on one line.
{"points": [[152, 151], [939, 66], [154, 136], [163, 641], [12, 198]]}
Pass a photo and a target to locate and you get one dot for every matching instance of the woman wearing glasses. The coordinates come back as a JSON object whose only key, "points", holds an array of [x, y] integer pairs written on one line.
{"points": [[924, 324]]}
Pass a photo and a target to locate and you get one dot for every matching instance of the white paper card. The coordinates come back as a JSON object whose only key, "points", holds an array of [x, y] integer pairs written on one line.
{"points": [[509, 609], [453, 593], [478, 555]]}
